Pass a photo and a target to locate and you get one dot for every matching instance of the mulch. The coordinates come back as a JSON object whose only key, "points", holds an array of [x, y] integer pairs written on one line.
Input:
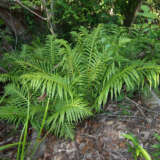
{"points": [[97, 138]]}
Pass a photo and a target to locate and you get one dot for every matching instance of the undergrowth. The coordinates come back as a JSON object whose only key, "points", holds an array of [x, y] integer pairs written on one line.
{"points": [[77, 78]]}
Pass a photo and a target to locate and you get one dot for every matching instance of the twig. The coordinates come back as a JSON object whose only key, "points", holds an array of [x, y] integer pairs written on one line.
{"points": [[138, 107], [117, 115], [21, 4], [146, 109], [77, 150], [89, 136], [49, 16]]}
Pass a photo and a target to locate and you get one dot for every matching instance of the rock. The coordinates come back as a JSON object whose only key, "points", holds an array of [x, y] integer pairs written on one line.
{"points": [[145, 135]]}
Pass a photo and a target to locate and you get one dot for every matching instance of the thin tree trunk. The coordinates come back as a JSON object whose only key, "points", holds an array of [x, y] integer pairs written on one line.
{"points": [[49, 14], [130, 12]]}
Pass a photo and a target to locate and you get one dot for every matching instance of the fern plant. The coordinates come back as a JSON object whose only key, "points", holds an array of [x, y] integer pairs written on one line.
{"points": [[136, 149], [156, 153], [77, 78]]}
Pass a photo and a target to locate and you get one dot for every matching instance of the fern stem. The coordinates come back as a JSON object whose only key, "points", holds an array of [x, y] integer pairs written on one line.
{"points": [[44, 118], [26, 128], [38, 141], [19, 145]]}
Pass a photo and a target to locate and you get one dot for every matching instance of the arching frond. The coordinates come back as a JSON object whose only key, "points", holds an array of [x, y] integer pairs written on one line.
{"points": [[76, 78], [70, 112], [131, 75], [53, 85]]}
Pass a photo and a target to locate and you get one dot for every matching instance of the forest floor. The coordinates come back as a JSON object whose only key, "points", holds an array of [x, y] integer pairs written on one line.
{"points": [[98, 138]]}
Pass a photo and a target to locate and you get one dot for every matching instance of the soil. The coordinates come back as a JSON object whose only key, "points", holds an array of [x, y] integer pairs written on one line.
{"points": [[97, 138]]}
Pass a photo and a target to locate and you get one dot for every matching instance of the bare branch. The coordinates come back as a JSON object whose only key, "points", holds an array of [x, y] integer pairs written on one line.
{"points": [[21, 4], [138, 107], [49, 15]]}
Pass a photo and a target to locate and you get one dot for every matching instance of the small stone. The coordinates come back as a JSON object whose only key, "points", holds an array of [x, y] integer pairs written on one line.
{"points": [[110, 122]]}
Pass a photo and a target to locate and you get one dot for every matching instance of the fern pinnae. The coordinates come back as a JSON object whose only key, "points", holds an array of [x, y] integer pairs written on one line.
{"points": [[49, 82], [50, 48], [12, 89], [72, 111], [77, 78], [12, 114], [116, 78]]}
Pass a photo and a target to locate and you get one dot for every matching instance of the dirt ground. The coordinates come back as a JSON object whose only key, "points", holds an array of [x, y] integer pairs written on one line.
{"points": [[98, 138]]}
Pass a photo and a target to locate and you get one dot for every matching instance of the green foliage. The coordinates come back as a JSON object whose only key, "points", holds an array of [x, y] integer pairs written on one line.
{"points": [[26, 2], [78, 79], [156, 154], [147, 14], [66, 15], [136, 149], [8, 146], [71, 14]]}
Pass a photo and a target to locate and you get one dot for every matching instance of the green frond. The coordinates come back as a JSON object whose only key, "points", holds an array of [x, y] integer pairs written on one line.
{"points": [[4, 77], [14, 104], [131, 75], [13, 114], [50, 49], [63, 130], [70, 112], [67, 131], [68, 62], [150, 72], [52, 84], [35, 65], [99, 64], [66, 114]]}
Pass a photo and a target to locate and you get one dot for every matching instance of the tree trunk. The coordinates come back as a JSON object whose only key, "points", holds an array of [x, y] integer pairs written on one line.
{"points": [[130, 12]]}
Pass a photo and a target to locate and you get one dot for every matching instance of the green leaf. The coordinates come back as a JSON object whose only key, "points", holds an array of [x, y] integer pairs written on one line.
{"points": [[7, 146], [145, 8]]}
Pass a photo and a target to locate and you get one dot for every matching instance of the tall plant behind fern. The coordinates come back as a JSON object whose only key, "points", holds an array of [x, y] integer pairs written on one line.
{"points": [[78, 79]]}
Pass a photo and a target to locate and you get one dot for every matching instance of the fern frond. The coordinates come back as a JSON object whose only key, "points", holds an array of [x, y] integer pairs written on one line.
{"points": [[13, 114], [132, 75], [63, 130], [77, 77], [70, 112], [53, 84], [35, 65], [51, 49], [4, 77]]}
